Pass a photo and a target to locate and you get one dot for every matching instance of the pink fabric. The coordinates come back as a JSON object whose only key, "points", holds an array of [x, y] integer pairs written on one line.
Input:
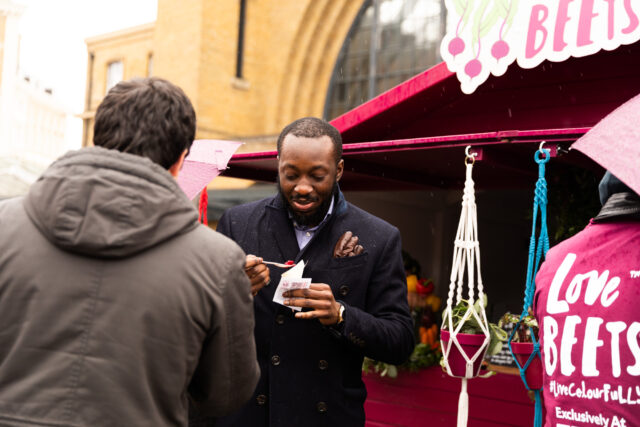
{"points": [[207, 159], [588, 305], [615, 143]]}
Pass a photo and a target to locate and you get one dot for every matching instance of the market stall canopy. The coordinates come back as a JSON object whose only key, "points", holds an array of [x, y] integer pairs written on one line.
{"points": [[413, 136]]}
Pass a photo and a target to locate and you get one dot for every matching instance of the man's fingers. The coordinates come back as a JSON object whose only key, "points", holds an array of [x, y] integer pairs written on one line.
{"points": [[315, 304], [259, 269], [251, 261], [315, 314], [318, 297], [315, 291], [260, 278], [320, 287]]}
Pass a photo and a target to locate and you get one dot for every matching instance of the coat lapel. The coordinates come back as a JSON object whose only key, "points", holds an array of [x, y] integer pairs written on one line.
{"points": [[281, 230]]}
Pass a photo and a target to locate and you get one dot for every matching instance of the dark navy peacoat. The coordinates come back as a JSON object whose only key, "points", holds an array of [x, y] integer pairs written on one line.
{"points": [[312, 374]]}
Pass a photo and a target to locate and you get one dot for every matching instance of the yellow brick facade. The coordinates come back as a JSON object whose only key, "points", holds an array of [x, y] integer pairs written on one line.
{"points": [[290, 49]]}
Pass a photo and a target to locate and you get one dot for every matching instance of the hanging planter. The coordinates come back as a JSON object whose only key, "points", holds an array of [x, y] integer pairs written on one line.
{"points": [[523, 351], [470, 345], [464, 325], [471, 339], [523, 347]]}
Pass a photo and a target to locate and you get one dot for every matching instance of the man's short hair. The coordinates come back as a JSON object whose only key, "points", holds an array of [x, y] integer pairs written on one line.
{"points": [[150, 117], [313, 127]]}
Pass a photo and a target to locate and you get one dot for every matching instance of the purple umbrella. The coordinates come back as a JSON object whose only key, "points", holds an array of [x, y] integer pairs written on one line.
{"points": [[614, 143]]}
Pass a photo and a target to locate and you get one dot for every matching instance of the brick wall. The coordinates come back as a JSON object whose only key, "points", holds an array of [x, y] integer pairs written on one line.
{"points": [[291, 47]]}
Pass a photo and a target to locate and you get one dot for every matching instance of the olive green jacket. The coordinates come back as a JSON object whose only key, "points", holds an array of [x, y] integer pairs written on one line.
{"points": [[116, 306]]}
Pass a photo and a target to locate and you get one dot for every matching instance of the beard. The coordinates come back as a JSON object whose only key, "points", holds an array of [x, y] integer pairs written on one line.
{"points": [[313, 218]]}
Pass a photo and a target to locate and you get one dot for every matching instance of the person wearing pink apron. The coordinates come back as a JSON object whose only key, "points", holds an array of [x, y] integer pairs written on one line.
{"points": [[587, 303]]}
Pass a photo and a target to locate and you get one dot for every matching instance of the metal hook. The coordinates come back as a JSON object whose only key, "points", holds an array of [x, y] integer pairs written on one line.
{"points": [[541, 145], [468, 154]]}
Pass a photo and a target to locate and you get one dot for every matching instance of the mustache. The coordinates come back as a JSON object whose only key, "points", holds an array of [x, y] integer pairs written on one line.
{"points": [[304, 199]]}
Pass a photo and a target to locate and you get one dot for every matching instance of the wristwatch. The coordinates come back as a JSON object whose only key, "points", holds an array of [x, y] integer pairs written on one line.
{"points": [[340, 314]]}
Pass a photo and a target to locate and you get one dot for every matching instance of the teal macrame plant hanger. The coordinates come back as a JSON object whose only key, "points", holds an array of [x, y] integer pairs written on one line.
{"points": [[538, 248]]}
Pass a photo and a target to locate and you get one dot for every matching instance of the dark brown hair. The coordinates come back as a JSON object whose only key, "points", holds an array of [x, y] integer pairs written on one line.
{"points": [[150, 117]]}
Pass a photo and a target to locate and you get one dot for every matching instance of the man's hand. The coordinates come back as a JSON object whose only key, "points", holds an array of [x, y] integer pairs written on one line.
{"points": [[319, 298], [257, 272]]}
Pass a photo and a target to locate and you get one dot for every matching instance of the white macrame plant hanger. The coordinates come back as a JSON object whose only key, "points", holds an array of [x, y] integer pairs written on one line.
{"points": [[466, 253]]}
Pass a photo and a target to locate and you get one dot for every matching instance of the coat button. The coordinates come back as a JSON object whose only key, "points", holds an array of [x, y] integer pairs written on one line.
{"points": [[275, 360], [323, 365], [344, 290], [322, 407], [280, 319], [261, 399]]}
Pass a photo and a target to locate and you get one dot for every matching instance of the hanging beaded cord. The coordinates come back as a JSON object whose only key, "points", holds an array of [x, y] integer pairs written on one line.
{"points": [[537, 248]]}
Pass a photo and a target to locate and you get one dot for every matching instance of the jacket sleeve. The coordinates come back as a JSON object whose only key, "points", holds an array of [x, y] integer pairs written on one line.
{"points": [[384, 330], [228, 371]]}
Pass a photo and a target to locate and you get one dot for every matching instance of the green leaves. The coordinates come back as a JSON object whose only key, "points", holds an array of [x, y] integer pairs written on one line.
{"points": [[422, 357], [464, 8], [460, 6], [497, 335], [511, 13], [486, 13], [526, 327]]}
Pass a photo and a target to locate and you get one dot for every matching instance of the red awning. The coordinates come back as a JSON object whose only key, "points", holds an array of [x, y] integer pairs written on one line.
{"points": [[413, 136]]}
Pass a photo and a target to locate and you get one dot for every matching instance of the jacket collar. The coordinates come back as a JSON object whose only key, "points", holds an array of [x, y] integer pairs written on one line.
{"points": [[620, 206], [281, 227]]}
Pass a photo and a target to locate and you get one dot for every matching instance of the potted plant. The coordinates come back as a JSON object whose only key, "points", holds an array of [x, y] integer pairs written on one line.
{"points": [[470, 337], [522, 346]]}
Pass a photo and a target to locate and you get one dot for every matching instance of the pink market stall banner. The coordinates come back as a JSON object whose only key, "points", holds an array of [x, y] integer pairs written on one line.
{"points": [[486, 36]]}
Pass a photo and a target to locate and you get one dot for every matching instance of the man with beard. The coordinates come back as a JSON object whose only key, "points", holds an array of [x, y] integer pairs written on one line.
{"points": [[356, 305]]}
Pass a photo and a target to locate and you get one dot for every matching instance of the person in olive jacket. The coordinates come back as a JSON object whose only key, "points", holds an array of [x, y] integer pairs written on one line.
{"points": [[116, 305], [311, 361]]}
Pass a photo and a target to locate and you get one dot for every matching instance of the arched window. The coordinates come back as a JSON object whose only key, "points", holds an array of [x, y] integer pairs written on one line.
{"points": [[389, 42]]}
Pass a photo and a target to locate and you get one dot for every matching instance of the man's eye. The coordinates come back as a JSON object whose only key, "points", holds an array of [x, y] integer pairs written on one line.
{"points": [[290, 177], [318, 177]]}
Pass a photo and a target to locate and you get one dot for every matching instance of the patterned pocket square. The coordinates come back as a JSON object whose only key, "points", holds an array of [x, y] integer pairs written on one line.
{"points": [[347, 245]]}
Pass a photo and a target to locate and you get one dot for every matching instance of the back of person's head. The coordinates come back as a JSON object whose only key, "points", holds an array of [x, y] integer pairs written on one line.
{"points": [[610, 185], [150, 117], [312, 127]]}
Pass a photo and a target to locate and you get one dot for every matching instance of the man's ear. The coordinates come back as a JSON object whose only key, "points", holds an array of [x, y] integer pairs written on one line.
{"points": [[339, 169], [174, 169]]}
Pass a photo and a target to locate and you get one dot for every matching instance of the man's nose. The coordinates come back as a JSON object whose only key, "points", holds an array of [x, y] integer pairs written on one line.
{"points": [[303, 188]]}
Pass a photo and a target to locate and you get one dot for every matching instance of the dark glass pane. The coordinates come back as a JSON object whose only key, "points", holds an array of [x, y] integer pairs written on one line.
{"points": [[408, 35]]}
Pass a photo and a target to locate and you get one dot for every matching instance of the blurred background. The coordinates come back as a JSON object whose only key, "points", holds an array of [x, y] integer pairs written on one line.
{"points": [[249, 67], [43, 73]]}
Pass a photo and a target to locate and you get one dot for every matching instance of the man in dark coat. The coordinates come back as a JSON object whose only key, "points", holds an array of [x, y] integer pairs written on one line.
{"points": [[116, 306], [356, 306]]}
